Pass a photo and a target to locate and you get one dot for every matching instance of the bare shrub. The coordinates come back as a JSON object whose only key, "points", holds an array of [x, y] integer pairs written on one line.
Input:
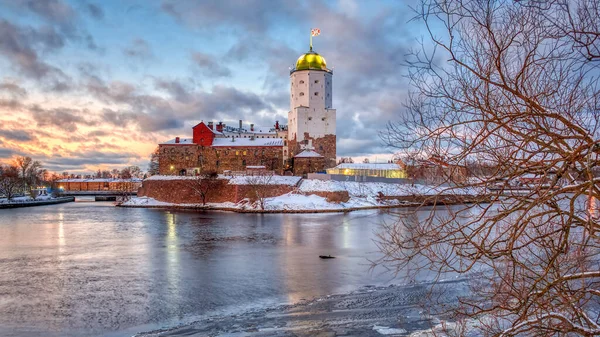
{"points": [[203, 183], [260, 186]]}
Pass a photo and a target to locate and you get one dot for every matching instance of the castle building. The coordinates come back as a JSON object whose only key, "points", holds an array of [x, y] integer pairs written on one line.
{"points": [[306, 144], [311, 119]]}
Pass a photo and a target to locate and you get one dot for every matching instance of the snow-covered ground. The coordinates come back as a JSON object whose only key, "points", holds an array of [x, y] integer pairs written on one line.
{"points": [[20, 200], [287, 202], [265, 180], [240, 180], [359, 189], [362, 195]]}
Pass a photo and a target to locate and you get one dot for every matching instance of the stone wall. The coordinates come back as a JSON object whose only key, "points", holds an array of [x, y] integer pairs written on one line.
{"points": [[337, 196], [305, 165], [181, 191], [325, 146], [175, 159]]}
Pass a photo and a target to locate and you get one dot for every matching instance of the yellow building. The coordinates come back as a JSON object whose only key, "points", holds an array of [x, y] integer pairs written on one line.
{"points": [[384, 170]]}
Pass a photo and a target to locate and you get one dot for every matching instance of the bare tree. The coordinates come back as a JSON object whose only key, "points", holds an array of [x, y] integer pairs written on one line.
{"points": [[203, 183], [345, 160], [10, 183], [126, 173], [260, 186], [513, 87], [153, 165]]}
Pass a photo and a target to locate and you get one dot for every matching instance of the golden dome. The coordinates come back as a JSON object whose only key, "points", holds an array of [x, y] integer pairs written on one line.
{"points": [[311, 61]]}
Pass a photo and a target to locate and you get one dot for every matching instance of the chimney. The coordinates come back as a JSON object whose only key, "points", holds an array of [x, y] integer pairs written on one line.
{"points": [[220, 127], [276, 125], [176, 140], [210, 125], [240, 125], [251, 127]]}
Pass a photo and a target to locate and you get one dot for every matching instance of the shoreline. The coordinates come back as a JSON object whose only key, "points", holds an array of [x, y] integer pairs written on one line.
{"points": [[417, 202], [60, 200]]}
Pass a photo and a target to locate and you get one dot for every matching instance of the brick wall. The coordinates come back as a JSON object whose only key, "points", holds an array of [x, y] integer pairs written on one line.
{"points": [[325, 146], [175, 158], [181, 191], [304, 166]]}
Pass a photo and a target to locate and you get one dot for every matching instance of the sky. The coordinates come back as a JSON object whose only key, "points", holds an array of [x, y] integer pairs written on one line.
{"points": [[88, 85]]}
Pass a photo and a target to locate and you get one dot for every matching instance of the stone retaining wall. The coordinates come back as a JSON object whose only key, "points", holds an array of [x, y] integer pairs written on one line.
{"points": [[182, 191]]}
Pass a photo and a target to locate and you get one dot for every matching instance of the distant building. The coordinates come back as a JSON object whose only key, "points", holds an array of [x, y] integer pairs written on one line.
{"points": [[100, 184], [306, 144], [383, 170], [434, 170]]}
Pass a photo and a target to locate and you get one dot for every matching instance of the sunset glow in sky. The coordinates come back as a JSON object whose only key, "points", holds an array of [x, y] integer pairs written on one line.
{"points": [[87, 85]]}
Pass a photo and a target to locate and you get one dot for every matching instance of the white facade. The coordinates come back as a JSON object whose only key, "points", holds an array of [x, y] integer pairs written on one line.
{"points": [[311, 99]]}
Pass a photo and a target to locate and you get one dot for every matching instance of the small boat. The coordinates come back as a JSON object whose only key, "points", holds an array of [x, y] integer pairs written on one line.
{"points": [[327, 257]]}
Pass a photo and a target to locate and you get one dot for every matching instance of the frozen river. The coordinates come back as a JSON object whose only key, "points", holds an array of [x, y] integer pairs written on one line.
{"points": [[87, 269]]}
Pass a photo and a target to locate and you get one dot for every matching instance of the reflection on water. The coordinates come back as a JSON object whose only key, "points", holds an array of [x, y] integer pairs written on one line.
{"points": [[86, 269]]}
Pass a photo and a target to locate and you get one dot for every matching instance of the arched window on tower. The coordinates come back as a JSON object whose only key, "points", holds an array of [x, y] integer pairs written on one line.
{"points": [[301, 82], [316, 93], [301, 94]]}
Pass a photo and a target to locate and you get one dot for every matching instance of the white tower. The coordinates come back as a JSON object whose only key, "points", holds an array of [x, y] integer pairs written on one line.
{"points": [[311, 117]]}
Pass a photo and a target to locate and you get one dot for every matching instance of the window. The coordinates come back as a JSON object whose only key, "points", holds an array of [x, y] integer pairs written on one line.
{"points": [[244, 155], [316, 93], [217, 163], [244, 162], [323, 119], [285, 143], [316, 81], [301, 82], [301, 94], [310, 118], [237, 153], [255, 152], [321, 147]]}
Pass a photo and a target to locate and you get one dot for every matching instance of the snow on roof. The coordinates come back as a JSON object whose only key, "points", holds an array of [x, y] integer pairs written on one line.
{"points": [[98, 180], [185, 141], [308, 154], [226, 142], [177, 177], [265, 180], [256, 167], [368, 166]]}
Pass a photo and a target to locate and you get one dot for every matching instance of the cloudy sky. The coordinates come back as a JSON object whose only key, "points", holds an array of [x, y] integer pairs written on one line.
{"points": [[97, 84]]}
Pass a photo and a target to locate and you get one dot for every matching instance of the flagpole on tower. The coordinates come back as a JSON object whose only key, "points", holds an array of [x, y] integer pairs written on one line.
{"points": [[314, 32]]}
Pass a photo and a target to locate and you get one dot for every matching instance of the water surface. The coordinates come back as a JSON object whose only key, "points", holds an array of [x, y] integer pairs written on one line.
{"points": [[87, 269]]}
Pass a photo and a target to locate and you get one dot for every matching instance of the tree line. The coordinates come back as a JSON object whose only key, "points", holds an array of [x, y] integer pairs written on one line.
{"points": [[23, 175]]}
